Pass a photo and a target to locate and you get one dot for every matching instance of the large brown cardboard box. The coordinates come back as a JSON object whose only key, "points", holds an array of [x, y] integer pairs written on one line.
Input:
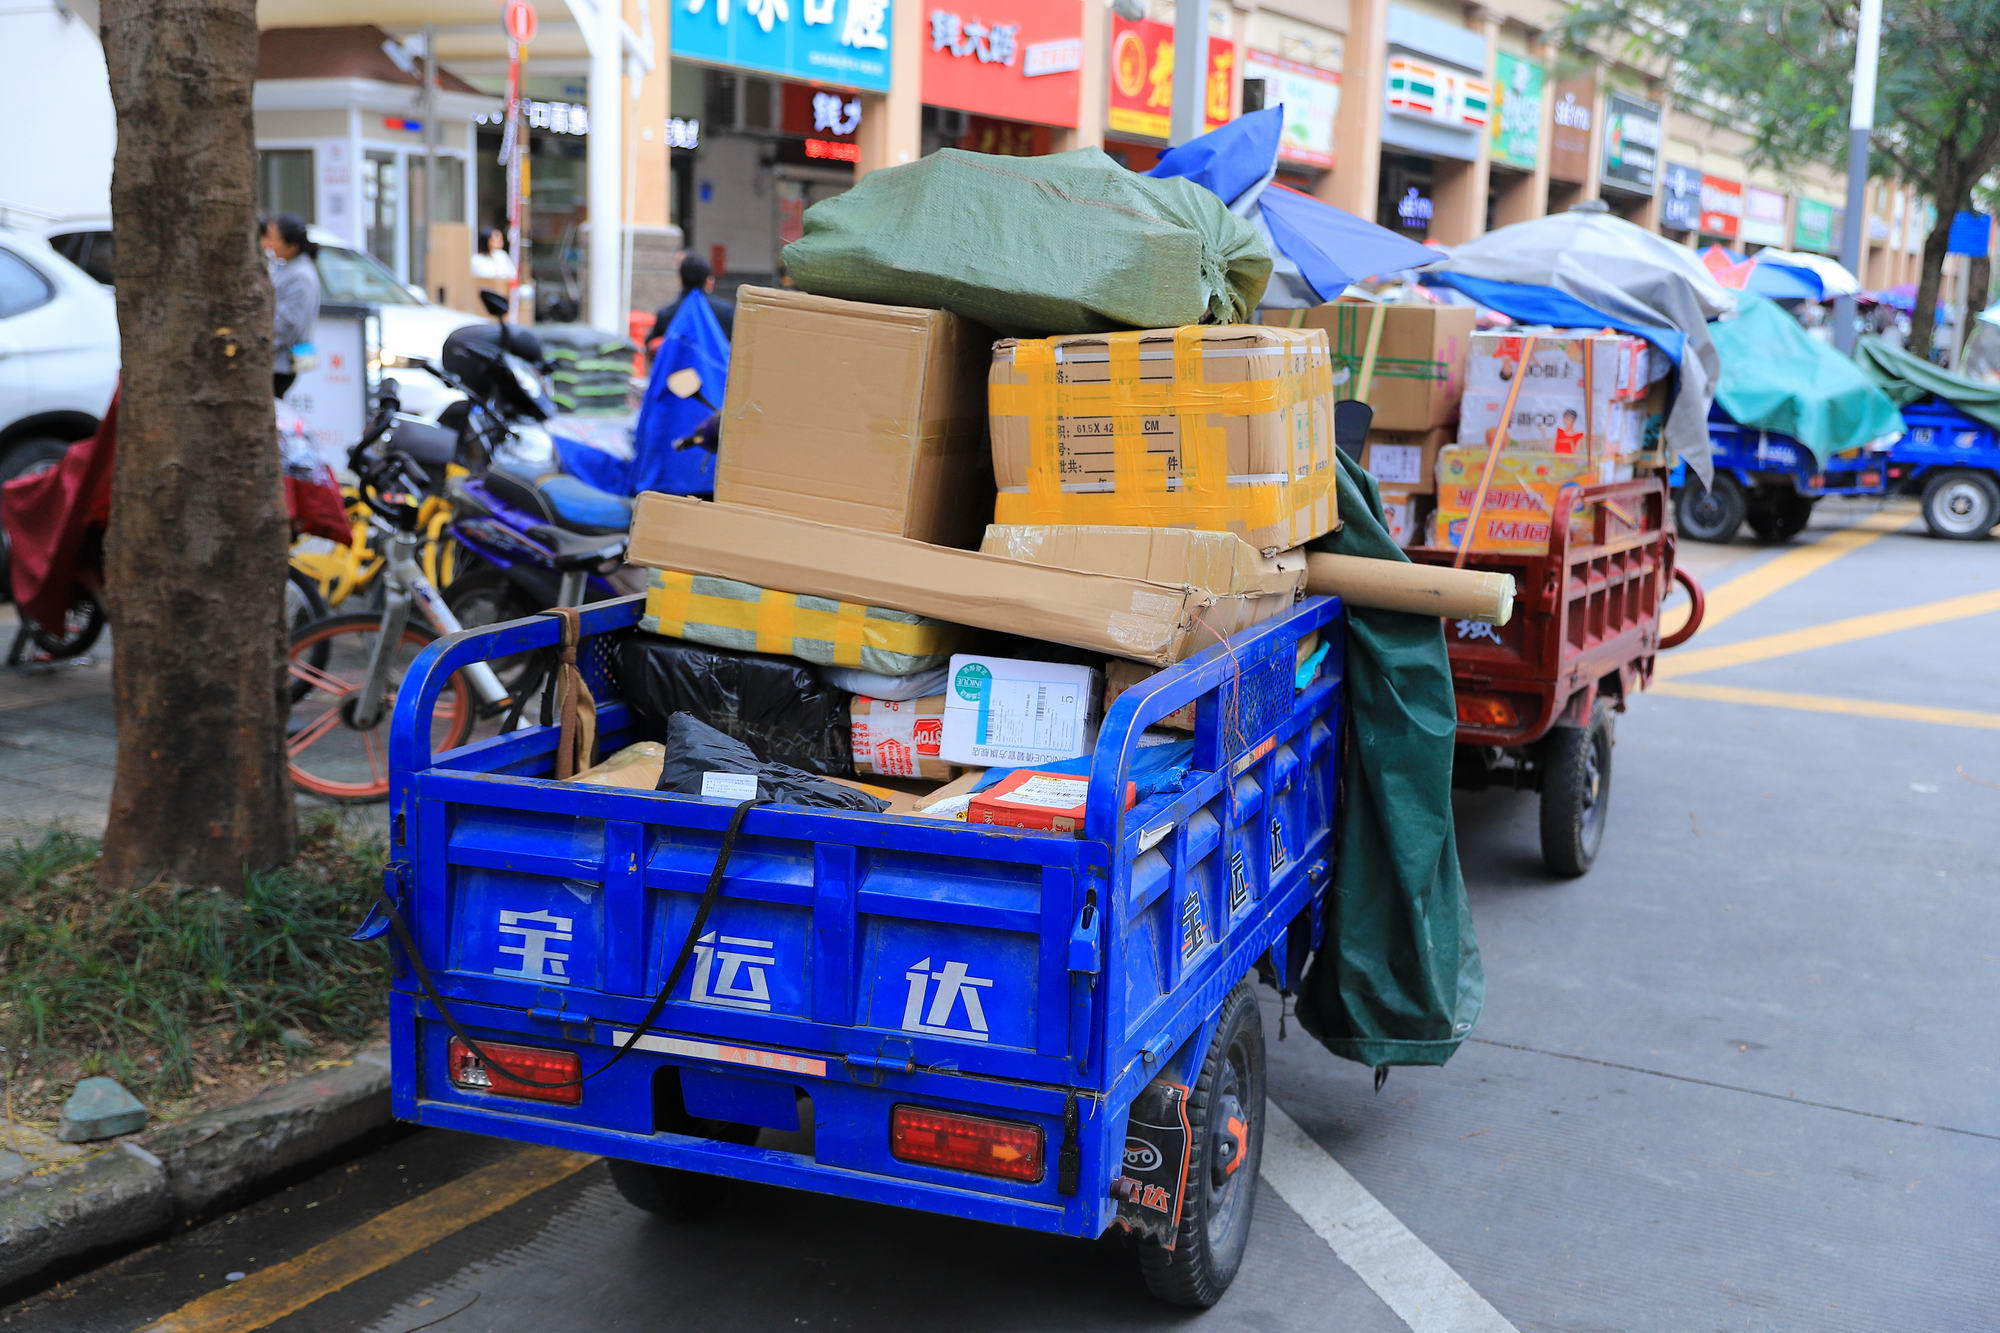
{"points": [[1419, 362], [866, 416], [1405, 459], [1226, 428], [1160, 618]]}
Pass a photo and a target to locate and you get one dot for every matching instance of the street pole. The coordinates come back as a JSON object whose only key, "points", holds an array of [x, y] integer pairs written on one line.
{"points": [[1860, 125], [427, 111], [603, 158], [1190, 70]]}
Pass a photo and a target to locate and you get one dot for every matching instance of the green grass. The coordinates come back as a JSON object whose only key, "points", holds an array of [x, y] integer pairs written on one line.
{"points": [[171, 984]]}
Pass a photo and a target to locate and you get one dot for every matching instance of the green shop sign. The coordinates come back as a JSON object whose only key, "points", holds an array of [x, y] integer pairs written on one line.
{"points": [[1813, 228], [1517, 112]]}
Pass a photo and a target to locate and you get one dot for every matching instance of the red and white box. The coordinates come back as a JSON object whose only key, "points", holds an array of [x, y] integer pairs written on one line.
{"points": [[899, 738], [1027, 798]]}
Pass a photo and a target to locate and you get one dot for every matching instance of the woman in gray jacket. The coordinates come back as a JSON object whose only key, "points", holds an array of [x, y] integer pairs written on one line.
{"points": [[295, 284]]}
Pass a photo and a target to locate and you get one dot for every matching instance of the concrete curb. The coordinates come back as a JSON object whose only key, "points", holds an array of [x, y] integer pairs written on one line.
{"points": [[136, 1190]]}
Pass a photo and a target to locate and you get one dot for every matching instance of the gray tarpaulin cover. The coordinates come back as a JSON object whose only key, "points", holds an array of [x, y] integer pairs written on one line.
{"points": [[1632, 280]]}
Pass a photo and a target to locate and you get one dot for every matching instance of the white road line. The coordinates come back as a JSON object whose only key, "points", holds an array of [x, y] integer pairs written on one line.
{"points": [[1421, 1288]]}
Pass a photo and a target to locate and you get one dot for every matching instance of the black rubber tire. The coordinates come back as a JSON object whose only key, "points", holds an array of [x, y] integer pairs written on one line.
{"points": [[1961, 506], [1215, 1217], [673, 1195], [78, 634], [25, 456], [1711, 515], [1576, 794], [1780, 516]]}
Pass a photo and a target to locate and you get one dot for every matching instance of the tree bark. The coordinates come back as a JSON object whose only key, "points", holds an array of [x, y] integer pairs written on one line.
{"points": [[196, 553], [1936, 245], [1978, 282]]}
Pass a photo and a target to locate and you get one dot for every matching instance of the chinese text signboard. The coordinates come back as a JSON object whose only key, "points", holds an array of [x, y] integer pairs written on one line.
{"points": [[1142, 79], [1680, 203], [1569, 140], [1813, 228], [1721, 206], [1311, 98], [1006, 138], [1631, 143], [1017, 59], [1517, 112], [1763, 217], [828, 41]]}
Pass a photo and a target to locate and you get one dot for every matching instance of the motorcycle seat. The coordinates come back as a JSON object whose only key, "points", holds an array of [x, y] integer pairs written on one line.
{"points": [[578, 550], [562, 501]]}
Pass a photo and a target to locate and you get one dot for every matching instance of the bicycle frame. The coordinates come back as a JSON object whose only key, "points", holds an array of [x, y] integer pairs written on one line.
{"points": [[407, 587]]}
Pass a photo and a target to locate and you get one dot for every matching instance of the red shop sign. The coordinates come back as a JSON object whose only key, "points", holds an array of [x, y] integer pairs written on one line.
{"points": [[1013, 59], [820, 113], [1142, 78], [1721, 206]]}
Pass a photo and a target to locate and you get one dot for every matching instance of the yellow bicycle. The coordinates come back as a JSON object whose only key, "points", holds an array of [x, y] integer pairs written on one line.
{"points": [[342, 571]]}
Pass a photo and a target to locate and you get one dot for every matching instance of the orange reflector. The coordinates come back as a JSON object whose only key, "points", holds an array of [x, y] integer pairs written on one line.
{"points": [[507, 1068], [1486, 710], [1001, 1148]]}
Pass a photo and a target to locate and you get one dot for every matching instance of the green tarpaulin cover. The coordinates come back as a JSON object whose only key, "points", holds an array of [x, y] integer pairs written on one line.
{"points": [[1069, 243], [1398, 981], [1776, 378], [1906, 378]]}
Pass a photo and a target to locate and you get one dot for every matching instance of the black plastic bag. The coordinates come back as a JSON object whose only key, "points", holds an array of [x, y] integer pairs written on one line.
{"points": [[695, 750], [778, 706]]}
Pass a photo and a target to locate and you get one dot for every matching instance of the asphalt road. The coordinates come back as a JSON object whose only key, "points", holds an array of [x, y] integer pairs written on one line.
{"points": [[1741, 1077]]}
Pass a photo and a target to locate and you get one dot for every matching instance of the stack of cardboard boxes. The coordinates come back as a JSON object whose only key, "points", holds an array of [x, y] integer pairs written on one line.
{"points": [[1069, 509]]}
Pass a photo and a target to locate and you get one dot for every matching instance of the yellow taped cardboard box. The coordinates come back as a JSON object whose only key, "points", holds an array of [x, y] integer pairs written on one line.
{"points": [[1159, 620], [1405, 459], [1225, 428], [869, 416], [1419, 372]]}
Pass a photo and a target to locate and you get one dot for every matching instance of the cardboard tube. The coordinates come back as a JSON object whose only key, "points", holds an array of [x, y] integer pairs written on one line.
{"points": [[1426, 590]]}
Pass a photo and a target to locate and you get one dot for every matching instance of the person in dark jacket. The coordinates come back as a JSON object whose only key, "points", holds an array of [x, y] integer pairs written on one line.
{"points": [[697, 279]]}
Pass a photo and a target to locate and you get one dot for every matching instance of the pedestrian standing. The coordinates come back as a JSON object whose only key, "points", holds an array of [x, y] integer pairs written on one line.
{"points": [[295, 287], [493, 263], [697, 282]]}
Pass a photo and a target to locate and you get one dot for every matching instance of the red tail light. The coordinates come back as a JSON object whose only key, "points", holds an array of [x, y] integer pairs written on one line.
{"points": [[1486, 710], [498, 1073], [1001, 1148]]}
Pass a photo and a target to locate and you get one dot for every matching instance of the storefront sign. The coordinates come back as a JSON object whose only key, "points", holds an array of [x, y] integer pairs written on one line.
{"points": [[1414, 210], [1311, 98], [1142, 78], [1020, 59], [1569, 141], [1763, 217], [1423, 91], [1005, 138], [555, 117], [1721, 207], [818, 113], [1517, 112], [1631, 144], [1680, 202], [683, 133], [1813, 228], [831, 41]]}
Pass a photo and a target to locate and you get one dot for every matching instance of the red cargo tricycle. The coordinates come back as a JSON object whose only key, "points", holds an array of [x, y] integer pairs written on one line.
{"points": [[1536, 696]]}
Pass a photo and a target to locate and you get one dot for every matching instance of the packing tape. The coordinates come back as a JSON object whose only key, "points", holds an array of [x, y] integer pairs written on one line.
{"points": [[776, 620]]}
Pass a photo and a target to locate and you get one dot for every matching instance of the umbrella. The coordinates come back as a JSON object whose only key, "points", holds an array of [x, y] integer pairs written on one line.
{"points": [[1592, 270], [1717, 258], [1775, 281], [1834, 277], [1316, 249]]}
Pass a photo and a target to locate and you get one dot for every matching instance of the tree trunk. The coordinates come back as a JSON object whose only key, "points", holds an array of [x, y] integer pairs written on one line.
{"points": [[1936, 246], [1978, 282], [195, 556]]}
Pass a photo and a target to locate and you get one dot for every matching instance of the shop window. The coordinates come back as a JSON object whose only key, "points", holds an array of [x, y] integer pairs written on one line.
{"points": [[285, 182], [450, 201], [381, 204]]}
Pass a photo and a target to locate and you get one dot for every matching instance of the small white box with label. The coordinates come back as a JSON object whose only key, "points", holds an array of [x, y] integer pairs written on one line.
{"points": [[1001, 712]]}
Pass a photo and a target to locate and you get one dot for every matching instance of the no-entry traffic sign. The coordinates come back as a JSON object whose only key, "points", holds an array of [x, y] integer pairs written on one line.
{"points": [[519, 20]]}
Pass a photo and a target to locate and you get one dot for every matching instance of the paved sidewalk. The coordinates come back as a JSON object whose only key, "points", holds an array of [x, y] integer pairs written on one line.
{"points": [[58, 743]]}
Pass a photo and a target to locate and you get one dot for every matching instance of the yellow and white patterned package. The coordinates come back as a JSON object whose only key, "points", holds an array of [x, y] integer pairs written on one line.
{"points": [[727, 614]]}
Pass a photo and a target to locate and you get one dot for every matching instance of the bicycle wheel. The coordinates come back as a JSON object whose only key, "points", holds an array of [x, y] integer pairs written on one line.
{"points": [[328, 753]]}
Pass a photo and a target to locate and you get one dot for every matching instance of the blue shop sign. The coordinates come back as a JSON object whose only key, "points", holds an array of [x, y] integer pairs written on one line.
{"points": [[824, 41]]}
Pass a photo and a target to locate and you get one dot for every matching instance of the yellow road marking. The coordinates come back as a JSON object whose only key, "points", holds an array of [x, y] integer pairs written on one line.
{"points": [[1869, 626], [1746, 590], [270, 1294], [1824, 703]]}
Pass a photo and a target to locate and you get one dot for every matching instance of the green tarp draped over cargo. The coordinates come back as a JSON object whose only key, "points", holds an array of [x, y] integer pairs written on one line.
{"points": [[1069, 243], [1776, 378], [1398, 981], [1906, 378]]}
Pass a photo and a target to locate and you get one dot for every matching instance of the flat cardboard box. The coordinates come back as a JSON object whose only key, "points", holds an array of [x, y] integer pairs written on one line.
{"points": [[1226, 428], [869, 416], [951, 800], [899, 738], [1520, 500], [1015, 712], [1406, 460], [1159, 621], [1053, 802], [1406, 510], [1121, 675], [1419, 361]]}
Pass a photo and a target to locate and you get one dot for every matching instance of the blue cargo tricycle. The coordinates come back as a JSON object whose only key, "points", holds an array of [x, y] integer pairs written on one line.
{"points": [[1048, 1031]]}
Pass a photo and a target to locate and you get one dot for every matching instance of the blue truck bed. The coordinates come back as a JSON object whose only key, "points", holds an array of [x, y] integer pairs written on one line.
{"points": [[856, 963]]}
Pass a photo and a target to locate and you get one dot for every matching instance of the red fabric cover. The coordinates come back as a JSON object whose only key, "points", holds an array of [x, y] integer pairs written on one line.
{"points": [[317, 507], [50, 518]]}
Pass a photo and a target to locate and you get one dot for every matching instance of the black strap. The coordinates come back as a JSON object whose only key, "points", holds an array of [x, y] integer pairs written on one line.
{"points": [[709, 896]]}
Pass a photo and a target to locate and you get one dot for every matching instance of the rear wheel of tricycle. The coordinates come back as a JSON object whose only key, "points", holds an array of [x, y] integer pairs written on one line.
{"points": [[1961, 506], [678, 1196], [1713, 514], [1780, 516], [1225, 1113], [1576, 794]]}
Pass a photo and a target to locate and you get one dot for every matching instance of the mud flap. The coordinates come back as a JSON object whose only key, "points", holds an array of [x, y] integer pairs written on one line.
{"points": [[1153, 1184]]}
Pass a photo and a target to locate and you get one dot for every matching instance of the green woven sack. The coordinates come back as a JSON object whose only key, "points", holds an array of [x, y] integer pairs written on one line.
{"points": [[1070, 243]]}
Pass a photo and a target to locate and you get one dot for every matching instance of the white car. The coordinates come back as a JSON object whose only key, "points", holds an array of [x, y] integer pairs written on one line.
{"points": [[58, 353]]}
